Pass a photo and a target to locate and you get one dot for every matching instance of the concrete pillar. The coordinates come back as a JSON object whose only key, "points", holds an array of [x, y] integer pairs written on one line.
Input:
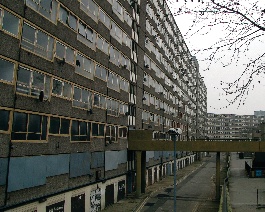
{"points": [[138, 173], [143, 168], [217, 175]]}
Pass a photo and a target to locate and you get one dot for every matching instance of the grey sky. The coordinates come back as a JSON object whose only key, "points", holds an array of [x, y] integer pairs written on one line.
{"points": [[217, 102]]}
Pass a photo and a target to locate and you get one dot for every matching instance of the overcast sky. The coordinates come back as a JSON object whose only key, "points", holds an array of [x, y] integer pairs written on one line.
{"points": [[217, 102]]}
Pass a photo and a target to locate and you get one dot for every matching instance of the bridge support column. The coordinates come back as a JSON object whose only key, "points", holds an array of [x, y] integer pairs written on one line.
{"points": [[217, 176], [138, 172], [143, 170]]}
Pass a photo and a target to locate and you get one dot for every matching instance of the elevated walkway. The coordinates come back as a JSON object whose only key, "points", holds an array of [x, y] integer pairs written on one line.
{"points": [[142, 141]]}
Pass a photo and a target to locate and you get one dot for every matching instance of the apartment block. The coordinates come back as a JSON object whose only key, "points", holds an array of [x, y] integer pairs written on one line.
{"points": [[232, 126], [75, 78]]}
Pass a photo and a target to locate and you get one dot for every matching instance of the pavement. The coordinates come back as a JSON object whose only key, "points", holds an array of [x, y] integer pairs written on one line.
{"points": [[243, 190], [132, 203]]}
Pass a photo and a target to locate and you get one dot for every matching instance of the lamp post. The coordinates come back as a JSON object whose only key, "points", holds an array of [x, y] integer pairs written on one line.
{"points": [[174, 138], [174, 133]]}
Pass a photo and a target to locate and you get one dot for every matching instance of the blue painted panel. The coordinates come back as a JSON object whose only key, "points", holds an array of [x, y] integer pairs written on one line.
{"points": [[80, 164], [114, 158], [122, 156], [57, 164], [111, 160], [97, 159], [3, 170], [149, 154], [26, 172]]}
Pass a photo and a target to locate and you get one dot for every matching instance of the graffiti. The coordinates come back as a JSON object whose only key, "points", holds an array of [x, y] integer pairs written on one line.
{"points": [[121, 190], [57, 207], [95, 200]]}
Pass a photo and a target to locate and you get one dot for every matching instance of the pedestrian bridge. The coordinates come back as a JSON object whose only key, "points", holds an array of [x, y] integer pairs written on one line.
{"points": [[142, 140]]}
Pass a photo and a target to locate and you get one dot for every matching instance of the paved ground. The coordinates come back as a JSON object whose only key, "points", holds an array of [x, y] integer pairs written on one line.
{"points": [[243, 190], [195, 193], [132, 203]]}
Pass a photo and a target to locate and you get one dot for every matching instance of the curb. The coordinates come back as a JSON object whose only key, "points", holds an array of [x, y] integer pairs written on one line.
{"points": [[141, 205]]}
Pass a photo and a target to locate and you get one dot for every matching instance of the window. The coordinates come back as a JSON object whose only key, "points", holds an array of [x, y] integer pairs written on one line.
{"points": [[59, 126], [127, 18], [37, 41], [125, 62], [117, 9], [111, 133], [4, 117], [80, 131], [64, 52], [85, 66], [86, 35], [114, 56], [103, 45], [6, 70], [8, 22], [126, 40], [112, 107], [123, 132], [99, 101], [48, 8], [124, 85], [123, 108], [98, 130], [116, 32], [113, 81], [101, 72], [29, 127], [104, 18], [82, 98], [62, 89], [32, 83], [90, 8], [67, 18]]}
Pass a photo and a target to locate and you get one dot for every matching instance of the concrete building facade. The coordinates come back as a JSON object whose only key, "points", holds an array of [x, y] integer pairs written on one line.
{"points": [[75, 78], [232, 126]]}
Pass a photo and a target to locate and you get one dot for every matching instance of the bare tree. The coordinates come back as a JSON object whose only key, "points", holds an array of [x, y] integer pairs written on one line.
{"points": [[242, 24]]}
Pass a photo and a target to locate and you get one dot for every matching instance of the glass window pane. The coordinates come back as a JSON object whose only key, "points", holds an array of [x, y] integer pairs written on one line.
{"points": [[96, 99], [67, 90], [6, 70], [57, 87], [38, 80], [77, 93], [54, 125], [70, 55], [75, 129], [65, 124], [34, 123], [83, 128], [82, 30], [4, 117], [72, 22], [46, 4], [60, 50], [28, 37], [23, 80], [44, 128], [20, 122], [42, 40], [10, 23], [94, 129], [63, 15], [101, 130]]}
